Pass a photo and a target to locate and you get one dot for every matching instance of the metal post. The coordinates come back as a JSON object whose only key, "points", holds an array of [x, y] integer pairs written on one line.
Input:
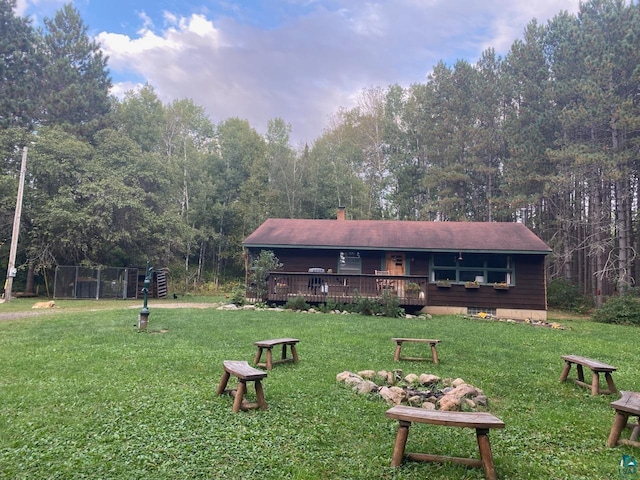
{"points": [[11, 268], [143, 318]]}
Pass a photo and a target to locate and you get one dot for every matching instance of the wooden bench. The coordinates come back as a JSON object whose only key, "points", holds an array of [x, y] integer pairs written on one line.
{"points": [[627, 406], [596, 367], [268, 346], [244, 373], [481, 421], [400, 341]]}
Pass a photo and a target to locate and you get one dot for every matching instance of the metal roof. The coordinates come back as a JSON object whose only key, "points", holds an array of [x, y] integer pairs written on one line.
{"points": [[396, 235]]}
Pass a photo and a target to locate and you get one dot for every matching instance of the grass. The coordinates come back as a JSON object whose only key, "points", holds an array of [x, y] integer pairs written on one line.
{"points": [[83, 395]]}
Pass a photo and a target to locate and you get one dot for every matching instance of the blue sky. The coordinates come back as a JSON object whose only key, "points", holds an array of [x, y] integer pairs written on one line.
{"points": [[300, 60]]}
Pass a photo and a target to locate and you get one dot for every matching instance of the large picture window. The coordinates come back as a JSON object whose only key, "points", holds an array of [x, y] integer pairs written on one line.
{"points": [[470, 267]]}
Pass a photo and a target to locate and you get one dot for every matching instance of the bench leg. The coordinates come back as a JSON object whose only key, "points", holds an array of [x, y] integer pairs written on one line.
{"points": [[237, 402], [223, 383], [635, 432], [580, 372], [619, 422], [258, 356], [565, 371], [609, 379], [401, 442], [269, 359], [284, 351], [434, 353], [262, 403], [595, 384], [396, 356], [294, 353], [486, 457]]}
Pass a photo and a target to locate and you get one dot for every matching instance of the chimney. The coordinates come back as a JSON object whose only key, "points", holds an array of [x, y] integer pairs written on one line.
{"points": [[342, 214]]}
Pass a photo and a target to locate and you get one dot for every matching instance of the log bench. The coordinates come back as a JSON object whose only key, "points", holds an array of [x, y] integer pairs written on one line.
{"points": [[627, 406], [596, 368], [268, 346], [400, 341], [244, 373], [481, 421]]}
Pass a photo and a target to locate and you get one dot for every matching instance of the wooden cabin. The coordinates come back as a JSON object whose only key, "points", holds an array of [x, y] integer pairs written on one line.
{"points": [[434, 267]]}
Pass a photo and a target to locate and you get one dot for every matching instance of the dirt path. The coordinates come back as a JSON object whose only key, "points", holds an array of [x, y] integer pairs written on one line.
{"points": [[57, 310]]}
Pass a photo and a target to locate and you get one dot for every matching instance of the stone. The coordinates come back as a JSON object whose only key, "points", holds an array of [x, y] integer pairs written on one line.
{"points": [[411, 378], [392, 395], [367, 386], [368, 374], [457, 382], [449, 403], [427, 379], [428, 406], [344, 376], [453, 398], [354, 380]]}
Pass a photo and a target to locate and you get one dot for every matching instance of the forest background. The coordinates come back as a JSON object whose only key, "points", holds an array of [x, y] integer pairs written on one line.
{"points": [[547, 136]]}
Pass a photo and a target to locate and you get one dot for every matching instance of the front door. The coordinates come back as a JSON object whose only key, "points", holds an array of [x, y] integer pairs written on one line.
{"points": [[395, 266], [395, 263]]}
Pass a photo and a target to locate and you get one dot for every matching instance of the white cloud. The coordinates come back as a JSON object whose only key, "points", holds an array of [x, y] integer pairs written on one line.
{"points": [[308, 66]]}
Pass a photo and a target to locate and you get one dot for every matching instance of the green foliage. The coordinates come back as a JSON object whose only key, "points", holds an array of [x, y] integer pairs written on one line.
{"points": [[238, 295], [297, 303], [88, 397], [260, 268], [364, 305], [390, 305], [77, 81], [331, 306], [565, 295], [622, 310], [22, 64]]}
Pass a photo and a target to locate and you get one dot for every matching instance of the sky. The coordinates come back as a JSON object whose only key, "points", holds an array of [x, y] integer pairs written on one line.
{"points": [[298, 60]]}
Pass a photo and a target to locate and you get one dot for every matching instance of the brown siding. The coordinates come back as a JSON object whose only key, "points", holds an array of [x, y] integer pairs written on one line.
{"points": [[300, 260], [528, 292]]}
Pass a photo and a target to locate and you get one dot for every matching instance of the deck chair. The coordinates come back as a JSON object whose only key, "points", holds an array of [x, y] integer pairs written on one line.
{"points": [[383, 283]]}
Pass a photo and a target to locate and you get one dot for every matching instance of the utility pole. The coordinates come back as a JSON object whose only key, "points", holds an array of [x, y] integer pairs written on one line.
{"points": [[11, 269]]}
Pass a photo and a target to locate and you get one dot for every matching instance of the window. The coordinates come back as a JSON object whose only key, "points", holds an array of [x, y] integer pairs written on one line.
{"points": [[472, 267], [349, 262]]}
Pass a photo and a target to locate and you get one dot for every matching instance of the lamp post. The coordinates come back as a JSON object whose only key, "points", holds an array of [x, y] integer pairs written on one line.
{"points": [[11, 268], [143, 318]]}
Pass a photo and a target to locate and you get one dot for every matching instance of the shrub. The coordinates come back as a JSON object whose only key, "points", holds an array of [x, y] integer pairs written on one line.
{"points": [[330, 306], [564, 295], [238, 295], [365, 306], [390, 305], [260, 268], [622, 310], [297, 303]]}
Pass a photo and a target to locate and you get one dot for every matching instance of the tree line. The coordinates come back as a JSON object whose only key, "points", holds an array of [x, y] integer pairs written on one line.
{"points": [[546, 135]]}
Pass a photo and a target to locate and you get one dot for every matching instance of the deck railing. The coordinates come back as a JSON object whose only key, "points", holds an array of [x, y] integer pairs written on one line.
{"points": [[345, 288]]}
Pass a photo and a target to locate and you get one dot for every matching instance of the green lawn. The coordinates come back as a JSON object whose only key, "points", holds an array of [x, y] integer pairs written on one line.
{"points": [[83, 395]]}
